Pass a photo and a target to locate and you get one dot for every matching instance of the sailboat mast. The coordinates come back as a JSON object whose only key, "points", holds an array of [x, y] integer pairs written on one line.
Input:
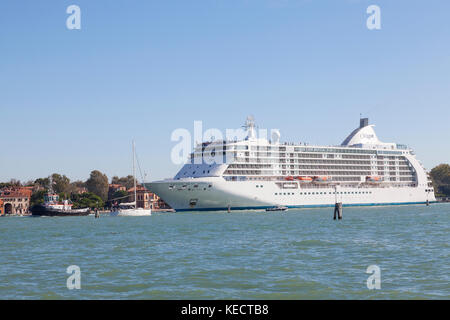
{"points": [[134, 176]]}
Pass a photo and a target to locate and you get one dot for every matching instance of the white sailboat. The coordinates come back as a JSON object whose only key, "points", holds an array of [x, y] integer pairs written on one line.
{"points": [[130, 209]]}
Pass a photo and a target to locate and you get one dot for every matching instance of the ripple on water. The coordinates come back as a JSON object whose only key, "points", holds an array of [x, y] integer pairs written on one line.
{"points": [[300, 254]]}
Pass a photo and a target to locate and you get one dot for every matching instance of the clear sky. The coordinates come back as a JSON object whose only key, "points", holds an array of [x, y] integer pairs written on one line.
{"points": [[71, 101]]}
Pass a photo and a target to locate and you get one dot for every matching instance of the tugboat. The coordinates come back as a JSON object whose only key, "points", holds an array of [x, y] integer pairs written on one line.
{"points": [[53, 207]]}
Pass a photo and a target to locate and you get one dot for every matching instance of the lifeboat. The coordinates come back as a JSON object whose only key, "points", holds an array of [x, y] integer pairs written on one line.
{"points": [[289, 178], [304, 179], [321, 179], [373, 179]]}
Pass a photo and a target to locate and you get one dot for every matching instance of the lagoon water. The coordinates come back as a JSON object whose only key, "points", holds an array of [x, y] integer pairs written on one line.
{"points": [[298, 254]]}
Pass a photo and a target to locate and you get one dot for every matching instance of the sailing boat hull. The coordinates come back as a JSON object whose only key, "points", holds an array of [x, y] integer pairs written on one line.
{"points": [[138, 212]]}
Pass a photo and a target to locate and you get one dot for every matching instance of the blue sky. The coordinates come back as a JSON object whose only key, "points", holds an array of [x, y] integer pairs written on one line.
{"points": [[71, 101]]}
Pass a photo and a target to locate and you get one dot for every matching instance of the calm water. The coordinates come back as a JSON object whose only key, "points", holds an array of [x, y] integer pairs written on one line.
{"points": [[299, 254]]}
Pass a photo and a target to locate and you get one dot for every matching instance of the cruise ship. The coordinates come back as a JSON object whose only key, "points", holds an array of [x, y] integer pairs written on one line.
{"points": [[257, 173]]}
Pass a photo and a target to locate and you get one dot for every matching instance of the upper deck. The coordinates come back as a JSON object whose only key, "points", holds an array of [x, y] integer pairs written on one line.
{"points": [[360, 156]]}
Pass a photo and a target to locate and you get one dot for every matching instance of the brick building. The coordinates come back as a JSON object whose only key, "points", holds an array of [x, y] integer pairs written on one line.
{"points": [[15, 200], [146, 199]]}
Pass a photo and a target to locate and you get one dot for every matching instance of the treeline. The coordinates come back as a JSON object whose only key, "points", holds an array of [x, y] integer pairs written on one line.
{"points": [[91, 193], [441, 180]]}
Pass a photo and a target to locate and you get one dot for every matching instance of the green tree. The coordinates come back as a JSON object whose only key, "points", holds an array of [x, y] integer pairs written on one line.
{"points": [[127, 181], [441, 179], [98, 184], [119, 196], [87, 200], [43, 182], [37, 197], [61, 184]]}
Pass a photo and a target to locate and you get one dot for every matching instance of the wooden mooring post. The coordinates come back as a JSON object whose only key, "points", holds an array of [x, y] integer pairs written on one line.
{"points": [[337, 210]]}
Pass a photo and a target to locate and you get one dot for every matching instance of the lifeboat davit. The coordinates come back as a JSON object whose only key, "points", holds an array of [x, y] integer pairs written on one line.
{"points": [[304, 179]]}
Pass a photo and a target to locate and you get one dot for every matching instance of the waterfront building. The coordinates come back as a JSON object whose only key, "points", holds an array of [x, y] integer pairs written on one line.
{"points": [[145, 198], [15, 200], [257, 173]]}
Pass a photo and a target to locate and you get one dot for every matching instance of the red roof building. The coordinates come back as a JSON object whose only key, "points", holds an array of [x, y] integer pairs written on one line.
{"points": [[15, 200]]}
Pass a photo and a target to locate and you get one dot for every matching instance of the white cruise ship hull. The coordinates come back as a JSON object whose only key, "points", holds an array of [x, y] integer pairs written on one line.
{"points": [[216, 193]]}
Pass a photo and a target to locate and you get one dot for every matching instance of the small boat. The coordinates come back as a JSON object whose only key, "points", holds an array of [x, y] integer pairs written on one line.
{"points": [[320, 179], [277, 208], [54, 208], [304, 179], [374, 179], [130, 209]]}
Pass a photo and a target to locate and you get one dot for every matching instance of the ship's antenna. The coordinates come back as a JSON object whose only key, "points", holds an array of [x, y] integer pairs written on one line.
{"points": [[50, 188], [250, 126]]}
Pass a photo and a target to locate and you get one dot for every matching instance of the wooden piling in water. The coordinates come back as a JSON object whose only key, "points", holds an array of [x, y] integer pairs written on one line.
{"points": [[337, 210]]}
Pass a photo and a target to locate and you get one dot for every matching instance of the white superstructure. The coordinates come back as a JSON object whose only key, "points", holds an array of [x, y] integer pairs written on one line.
{"points": [[257, 173]]}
